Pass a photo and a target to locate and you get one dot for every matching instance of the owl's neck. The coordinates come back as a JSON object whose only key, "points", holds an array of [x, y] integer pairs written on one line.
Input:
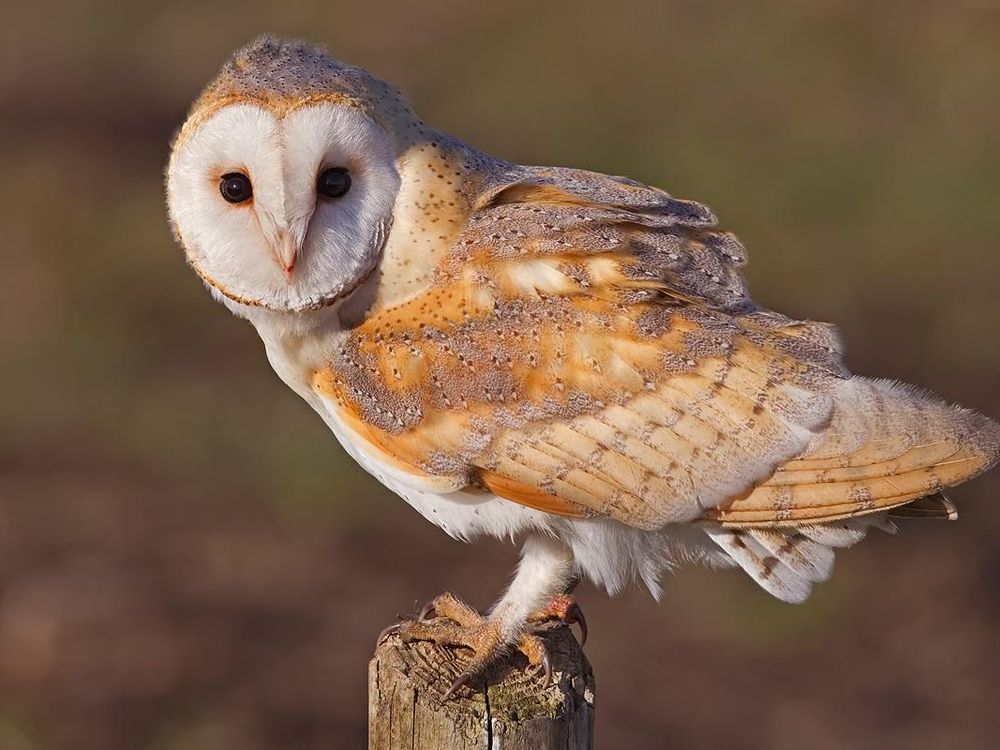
{"points": [[276, 326], [298, 344]]}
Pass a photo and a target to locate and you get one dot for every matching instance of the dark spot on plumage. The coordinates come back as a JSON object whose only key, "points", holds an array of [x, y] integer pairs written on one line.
{"points": [[768, 564]]}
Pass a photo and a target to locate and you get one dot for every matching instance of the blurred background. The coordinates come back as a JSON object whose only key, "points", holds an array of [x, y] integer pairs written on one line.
{"points": [[188, 559]]}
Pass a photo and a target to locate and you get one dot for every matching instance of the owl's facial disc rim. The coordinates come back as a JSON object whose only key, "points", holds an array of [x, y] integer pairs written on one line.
{"points": [[325, 300], [335, 136]]}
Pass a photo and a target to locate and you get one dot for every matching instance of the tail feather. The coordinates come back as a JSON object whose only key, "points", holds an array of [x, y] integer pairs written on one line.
{"points": [[797, 551], [787, 562]]}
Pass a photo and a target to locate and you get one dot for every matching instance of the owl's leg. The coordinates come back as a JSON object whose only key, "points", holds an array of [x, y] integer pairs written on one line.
{"points": [[535, 596]]}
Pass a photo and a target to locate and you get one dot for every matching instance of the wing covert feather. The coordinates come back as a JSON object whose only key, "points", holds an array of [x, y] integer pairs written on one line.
{"points": [[589, 349]]}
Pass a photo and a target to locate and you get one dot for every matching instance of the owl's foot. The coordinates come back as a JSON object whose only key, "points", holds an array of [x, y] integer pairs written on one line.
{"points": [[448, 621], [562, 608]]}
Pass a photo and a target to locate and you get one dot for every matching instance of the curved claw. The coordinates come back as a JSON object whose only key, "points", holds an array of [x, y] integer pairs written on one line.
{"points": [[575, 614], [427, 612], [387, 631], [547, 667], [462, 679], [564, 609]]}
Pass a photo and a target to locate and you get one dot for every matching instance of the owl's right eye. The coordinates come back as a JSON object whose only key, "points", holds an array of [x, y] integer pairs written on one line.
{"points": [[235, 187]]}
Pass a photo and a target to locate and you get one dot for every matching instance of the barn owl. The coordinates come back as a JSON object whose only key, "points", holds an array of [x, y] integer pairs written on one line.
{"points": [[541, 353]]}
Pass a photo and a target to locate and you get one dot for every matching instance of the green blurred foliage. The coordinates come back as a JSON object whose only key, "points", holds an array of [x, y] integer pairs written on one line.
{"points": [[855, 148]]}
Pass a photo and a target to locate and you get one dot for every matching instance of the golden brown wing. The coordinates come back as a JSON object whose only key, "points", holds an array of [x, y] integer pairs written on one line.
{"points": [[589, 348], [886, 446]]}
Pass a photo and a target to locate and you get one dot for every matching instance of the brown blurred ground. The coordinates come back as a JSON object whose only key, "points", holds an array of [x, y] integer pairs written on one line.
{"points": [[187, 559]]}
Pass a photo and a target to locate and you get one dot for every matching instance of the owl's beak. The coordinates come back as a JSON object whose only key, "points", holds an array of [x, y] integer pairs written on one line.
{"points": [[286, 250]]}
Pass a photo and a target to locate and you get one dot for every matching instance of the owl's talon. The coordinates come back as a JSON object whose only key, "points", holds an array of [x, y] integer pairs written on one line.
{"points": [[387, 631], [427, 612], [459, 682], [563, 608], [448, 621], [545, 668], [575, 615]]}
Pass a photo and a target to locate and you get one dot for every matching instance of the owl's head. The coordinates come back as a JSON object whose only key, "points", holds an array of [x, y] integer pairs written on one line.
{"points": [[281, 183]]}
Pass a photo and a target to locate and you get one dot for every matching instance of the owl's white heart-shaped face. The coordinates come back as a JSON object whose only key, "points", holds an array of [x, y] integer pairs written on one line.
{"points": [[283, 209]]}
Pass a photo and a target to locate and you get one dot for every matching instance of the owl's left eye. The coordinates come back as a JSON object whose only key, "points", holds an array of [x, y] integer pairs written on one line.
{"points": [[235, 187], [333, 183]]}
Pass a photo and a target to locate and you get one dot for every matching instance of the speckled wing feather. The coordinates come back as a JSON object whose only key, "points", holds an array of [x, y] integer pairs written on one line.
{"points": [[589, 348], [887, 445]]}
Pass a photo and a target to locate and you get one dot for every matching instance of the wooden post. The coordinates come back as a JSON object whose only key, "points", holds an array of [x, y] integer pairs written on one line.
{"points": [[509, 709]]}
